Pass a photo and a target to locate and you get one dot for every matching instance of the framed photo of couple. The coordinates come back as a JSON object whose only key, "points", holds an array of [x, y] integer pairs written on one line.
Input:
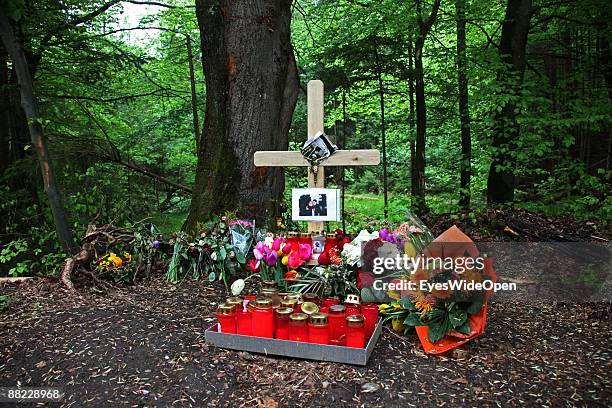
{"points": [[315, 204]]}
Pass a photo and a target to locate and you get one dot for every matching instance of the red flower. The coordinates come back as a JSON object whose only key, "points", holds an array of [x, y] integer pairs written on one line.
{"points": [[254, 265], [345, 240], [364, 279], [294, 260], [292, 275], [323, 259]]}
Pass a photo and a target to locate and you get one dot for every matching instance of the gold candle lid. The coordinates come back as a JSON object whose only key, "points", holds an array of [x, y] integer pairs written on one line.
{"points": [[284, 311], [263, 303], [336, 309], [330, 235], [318, 318], [304, 234], [288, 303], [269, 284], [293, 234], [226, 308], [355, 320], [235, 300], [283, 295], [309, 308], [298, 317], [295, 295], [310, 297]]}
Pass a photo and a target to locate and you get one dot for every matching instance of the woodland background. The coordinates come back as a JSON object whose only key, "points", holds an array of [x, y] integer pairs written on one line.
{"points": [[474, 104]]}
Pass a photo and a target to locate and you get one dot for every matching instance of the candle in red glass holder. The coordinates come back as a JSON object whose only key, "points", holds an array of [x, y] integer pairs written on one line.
{"points": [[244, 322], [226, 315], [370, 314], [331, 241], [351, 303], [293, 239], [298, 327], [292, 303], [330, 301], [355, 331], [305, 238], [263, 318], [236, 301], [318, 328], [281, 324], [311, 297], [337, 325]]}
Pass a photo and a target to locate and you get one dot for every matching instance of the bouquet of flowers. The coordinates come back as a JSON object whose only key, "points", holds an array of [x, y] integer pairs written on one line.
{"points": [[117, 266], [276, 258], [218, 251], [440, 301]]}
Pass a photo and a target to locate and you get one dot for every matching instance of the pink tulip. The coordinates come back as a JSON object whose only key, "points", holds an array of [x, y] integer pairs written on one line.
{"points": [[294, 260], [305, 252]]}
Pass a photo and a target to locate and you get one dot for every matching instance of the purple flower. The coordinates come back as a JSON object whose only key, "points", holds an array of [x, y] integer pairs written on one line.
{"points": [[383, 234], [260, 250], [270, 258], [155, 244]]}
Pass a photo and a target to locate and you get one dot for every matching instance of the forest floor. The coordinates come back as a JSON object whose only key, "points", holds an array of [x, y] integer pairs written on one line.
{"points": [[144, 345]]}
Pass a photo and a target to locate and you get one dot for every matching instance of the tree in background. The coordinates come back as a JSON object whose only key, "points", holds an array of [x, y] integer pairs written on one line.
{"points": [[252, 86], [501, 181], [464, 110], [37, 135], [418, 163]]}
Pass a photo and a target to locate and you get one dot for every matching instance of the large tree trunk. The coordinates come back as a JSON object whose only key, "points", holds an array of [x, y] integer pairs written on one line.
{"points": [[501, 181], [418, 177], [38, 139], [464, 111], [251, 91]]}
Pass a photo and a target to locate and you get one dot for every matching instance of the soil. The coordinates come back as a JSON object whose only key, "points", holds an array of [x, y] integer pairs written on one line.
{"points": [[144, 345]]}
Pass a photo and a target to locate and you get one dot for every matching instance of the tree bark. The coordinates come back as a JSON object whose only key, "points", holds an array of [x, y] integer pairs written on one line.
{"points": [[501, 180], [418, 177], [38, 139], [251, 91], [464, 111]]}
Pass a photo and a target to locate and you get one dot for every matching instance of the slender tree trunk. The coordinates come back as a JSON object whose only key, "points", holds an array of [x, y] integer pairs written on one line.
{"points": [[464, 112], [343, 146], [418, 188], [30, 108], [194, 95], [383, 131], [413, 172], [501, 181], [251, 91]]}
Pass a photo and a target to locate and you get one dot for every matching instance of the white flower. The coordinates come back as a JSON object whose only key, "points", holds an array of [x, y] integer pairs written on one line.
{"points": [[201, 242], [237, 287], [213, 256]]}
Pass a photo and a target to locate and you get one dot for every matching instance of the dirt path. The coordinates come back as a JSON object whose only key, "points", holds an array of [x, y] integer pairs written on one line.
{"points": [[145, 346]]}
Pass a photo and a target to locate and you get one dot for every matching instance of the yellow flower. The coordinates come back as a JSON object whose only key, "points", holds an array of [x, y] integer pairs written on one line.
{"points": [[424, 305], [127, 257], [115, 260], [285, 260], [383, 307], [409, 249]]}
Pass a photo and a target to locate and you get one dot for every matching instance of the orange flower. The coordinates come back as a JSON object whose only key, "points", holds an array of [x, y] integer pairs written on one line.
{"points": [[292, 275]]}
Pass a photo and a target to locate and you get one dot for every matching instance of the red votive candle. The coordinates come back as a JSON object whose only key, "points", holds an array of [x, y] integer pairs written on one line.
{"points": [[244, 322], [311, 297], [337, 325], [305, 238], [281, 324], [318, 328], [298, 327], [331, 241], [293, 239], [263, 318], [292, 303], [355, 331], [370, 314], [352, 309], [330, 301], [226, 316]]}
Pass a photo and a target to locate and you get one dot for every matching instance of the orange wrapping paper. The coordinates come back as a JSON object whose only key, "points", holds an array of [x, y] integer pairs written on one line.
{"points": [[477, 321]]}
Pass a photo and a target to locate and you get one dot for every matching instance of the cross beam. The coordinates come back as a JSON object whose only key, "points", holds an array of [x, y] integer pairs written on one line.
{"points": [[295, 159]]}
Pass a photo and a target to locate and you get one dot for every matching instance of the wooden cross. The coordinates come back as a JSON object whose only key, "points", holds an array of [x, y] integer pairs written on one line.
{"points": [[295, 159]]}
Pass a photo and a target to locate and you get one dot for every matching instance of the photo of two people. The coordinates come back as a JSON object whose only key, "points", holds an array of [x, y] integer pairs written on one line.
{"points": [[313, 205]]}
